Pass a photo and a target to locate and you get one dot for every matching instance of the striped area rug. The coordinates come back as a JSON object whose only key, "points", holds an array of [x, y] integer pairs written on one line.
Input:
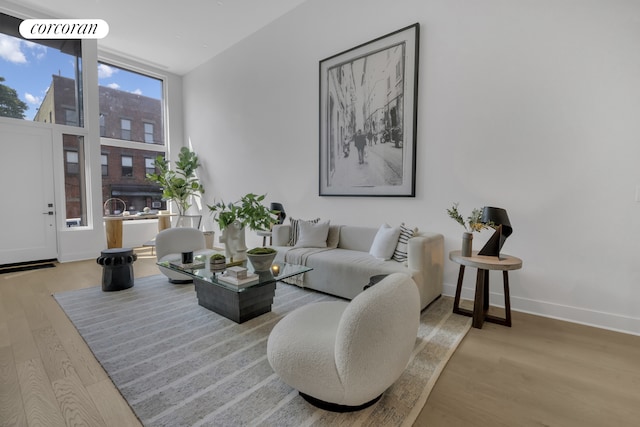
{"points": [[179, 364]]}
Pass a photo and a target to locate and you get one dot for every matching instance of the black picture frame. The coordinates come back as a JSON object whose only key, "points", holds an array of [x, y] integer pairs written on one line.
{"points": [[371, 88]]}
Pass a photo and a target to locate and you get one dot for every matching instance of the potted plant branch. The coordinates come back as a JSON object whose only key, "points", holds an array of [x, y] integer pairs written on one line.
{"points": [[181, 184]]}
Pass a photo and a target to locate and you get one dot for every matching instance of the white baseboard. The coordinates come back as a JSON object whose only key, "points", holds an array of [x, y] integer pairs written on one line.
{"points": [[598, 319]]}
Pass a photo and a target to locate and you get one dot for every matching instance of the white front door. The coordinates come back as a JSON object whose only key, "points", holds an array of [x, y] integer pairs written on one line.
{"points": [[27, 212]]}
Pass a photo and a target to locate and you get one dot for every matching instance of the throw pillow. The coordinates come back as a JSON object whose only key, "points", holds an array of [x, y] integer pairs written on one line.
{"points": [[333, 238], [295, 227], [312, 235], [401, 250], [385, 242]]}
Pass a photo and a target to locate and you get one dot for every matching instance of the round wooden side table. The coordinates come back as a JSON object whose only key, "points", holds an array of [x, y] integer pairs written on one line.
{"points": [[484, 264]]}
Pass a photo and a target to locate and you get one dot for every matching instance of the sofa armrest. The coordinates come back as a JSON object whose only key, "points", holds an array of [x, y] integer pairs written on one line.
{"points": [[426, 255], [280, 234]]}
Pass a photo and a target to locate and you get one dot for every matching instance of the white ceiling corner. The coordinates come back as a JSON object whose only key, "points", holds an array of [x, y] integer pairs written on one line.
{"points": [[174, 35]]}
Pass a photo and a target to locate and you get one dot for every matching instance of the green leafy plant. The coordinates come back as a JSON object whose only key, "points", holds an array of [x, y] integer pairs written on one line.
{"points": [[261, 251], [473, 222], [180, 184], [215, 257], [248, 211]]}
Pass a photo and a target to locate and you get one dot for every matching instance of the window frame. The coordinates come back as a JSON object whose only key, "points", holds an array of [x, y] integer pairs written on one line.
{"points": [[104, 167], [152, 133], [123, 166], [75, 170], [148, 169], [123, 129]]}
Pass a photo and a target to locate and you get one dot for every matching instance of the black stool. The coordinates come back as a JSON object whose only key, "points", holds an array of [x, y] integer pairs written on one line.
{"points": [[117, 268]]}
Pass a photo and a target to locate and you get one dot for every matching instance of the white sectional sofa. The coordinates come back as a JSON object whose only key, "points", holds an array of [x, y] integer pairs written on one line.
{"points": [[345, 266]]}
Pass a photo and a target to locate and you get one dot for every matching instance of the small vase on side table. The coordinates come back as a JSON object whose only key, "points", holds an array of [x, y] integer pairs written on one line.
{"points": [[467, 243]]}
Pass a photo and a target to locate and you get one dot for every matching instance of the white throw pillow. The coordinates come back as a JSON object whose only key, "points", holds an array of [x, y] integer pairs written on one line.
{"points": [[385, 242], [312, 235]]}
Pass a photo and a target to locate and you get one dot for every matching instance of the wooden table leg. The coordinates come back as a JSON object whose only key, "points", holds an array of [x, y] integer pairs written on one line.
{"points": [[113, 229], [507, 298], [479, 301], [505, 321], [480, 311], [164, 222], [456, 301]]}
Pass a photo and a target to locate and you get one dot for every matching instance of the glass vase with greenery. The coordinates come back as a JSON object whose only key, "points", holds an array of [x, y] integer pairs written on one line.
{"points": [[248, 211], [471, 224]]}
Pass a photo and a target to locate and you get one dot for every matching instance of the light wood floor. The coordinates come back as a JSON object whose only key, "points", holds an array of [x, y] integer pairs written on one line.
{"points": [[539, 372]]}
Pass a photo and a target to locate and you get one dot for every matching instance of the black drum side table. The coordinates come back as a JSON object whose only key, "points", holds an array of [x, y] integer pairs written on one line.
{"points": [[117, 268]]}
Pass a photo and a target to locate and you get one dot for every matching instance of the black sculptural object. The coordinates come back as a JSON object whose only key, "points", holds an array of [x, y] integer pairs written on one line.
{"points": [[275, 206], [499, 220]]}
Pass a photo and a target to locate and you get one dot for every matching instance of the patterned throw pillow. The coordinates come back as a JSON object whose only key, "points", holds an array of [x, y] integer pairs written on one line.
{"points": [[400, 254], [295, 229], [312, 235]]}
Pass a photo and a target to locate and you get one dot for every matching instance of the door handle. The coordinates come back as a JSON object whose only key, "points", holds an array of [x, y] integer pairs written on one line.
{"points": [[47, 213]]}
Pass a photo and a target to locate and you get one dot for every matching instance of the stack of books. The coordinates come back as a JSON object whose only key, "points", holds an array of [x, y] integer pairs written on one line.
{"points": [[238, 276], [196, 265]]}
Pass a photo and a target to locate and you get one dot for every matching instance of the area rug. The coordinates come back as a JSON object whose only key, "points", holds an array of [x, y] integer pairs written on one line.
{"points": [[179, 364]]}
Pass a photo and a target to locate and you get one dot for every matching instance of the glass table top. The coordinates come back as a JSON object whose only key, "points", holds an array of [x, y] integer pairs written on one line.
{"points": [[201, 269]]}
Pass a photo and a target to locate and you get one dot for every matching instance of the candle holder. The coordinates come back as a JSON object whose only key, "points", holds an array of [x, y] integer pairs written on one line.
{"points": [[275, 269]]}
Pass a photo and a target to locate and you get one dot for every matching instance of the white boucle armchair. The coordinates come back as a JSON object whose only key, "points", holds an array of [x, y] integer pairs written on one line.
{"points": [[170, 244], [341, 355]]}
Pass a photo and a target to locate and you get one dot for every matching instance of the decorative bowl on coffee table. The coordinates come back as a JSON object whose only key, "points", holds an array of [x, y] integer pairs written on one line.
{"points": [[261, 262]]}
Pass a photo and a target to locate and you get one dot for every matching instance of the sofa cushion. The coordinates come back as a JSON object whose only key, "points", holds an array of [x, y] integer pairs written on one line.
{"points": [[357, 238], [385, 242], [333, 237], [295, 229], [312, 235], [401, 250], [345, 273]]}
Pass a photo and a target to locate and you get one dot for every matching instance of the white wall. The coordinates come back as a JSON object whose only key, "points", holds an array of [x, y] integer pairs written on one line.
{"points": [[529, 105]]}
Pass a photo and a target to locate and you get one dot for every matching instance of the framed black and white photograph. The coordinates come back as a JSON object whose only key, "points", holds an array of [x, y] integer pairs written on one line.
{"points": [[368, 115]]}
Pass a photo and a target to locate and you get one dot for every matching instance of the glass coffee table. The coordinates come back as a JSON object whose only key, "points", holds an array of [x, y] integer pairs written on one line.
{"points": [[238, 303]]}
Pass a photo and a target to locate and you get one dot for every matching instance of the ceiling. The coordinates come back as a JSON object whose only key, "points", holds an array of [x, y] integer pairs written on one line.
{"points": [[174, 35]]}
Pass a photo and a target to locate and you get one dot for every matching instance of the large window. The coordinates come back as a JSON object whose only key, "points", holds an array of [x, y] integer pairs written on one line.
{"points": [[39, 80], [42, 81], [127, 178], [131, 105], [75, 181], [131, 127]]}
